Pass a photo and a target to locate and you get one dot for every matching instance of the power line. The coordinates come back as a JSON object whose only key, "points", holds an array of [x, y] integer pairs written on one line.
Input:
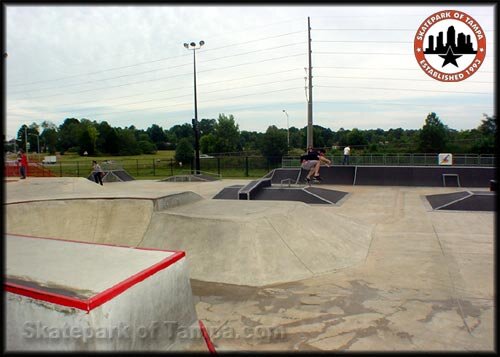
{"points": [[378, 41], [172, 89], [168, 77], [97, 72], [101, 79], [246, 53], [363, 53], [210, 92], [151, 71], [376, 29], [390, 79], [261, 26], [388, 69], [152, 61], [179, 104], [368, 29], [405, 89], [250, 41], [377, 102]]}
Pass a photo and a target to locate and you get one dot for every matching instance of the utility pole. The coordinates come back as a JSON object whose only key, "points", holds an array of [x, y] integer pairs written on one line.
{"points": [[309, 102]]}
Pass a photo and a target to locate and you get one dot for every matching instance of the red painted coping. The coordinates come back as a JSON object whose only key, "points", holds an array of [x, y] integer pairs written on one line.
{"points": [[104, 296], [206, 337]]}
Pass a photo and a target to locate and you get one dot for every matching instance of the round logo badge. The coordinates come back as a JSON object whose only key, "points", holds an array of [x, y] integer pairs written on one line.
{"points": [[450, 46]]}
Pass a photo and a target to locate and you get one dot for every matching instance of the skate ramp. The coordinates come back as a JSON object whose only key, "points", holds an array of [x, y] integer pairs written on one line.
{"points": [[464, 201], [239, 242], [432, 176], [259, 243], [108, 220], [310, 195], [113, 176]]}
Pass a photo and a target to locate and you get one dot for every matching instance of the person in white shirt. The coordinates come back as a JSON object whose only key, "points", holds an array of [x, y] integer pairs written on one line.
{"points": [[347, 152]]}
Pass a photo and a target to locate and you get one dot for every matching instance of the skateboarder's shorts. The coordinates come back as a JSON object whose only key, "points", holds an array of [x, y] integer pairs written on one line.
{"points": [[307, 165]]}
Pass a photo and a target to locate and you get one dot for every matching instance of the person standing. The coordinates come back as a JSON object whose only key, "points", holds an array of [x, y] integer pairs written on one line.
{"points": [[347, 152], [23, 162], [97, 172]]}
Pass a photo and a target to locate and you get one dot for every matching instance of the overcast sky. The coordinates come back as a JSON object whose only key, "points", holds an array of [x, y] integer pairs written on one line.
{"points": [[127, 65]]}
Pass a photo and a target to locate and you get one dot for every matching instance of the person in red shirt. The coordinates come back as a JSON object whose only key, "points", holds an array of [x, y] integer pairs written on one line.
{"points": [[23, 161]]}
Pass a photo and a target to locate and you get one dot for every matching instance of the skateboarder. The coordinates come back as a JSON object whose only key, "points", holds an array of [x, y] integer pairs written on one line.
{"points": [[312, 162], [97, 172]]}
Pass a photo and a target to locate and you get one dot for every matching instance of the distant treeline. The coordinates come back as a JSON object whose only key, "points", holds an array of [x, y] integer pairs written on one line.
{"points": [[222, 135]]}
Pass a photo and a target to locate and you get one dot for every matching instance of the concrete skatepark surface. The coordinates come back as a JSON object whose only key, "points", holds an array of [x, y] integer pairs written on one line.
{"points": [[412, 278]]}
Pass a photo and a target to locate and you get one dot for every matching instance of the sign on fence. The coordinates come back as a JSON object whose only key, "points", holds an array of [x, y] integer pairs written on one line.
{"points": [[445, 159]]}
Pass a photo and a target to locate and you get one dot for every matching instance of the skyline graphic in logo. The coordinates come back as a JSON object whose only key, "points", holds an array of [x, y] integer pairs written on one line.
{"points": [[450, 46]]}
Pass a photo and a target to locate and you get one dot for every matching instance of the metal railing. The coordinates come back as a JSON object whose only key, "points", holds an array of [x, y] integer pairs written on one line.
{"points": [[402, 159]]}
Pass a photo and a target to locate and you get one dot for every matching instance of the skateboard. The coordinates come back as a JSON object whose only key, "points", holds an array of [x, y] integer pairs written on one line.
{"points": [[312, 182]]}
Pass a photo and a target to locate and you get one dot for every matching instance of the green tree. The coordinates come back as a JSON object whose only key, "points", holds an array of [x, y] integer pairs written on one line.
{"points": [[488, 125], [250, 140], [69, 135], [88, 137], [156, 134], [297, 138], [207, 143], [356, 138], [433, 136], [207, 126], [33, 136], [486, 144], [146, 146], [48, 137], [340, 137], [127, 142], [274, 144], [178, 132], [184, 152], [227, 134], [107, 140]]}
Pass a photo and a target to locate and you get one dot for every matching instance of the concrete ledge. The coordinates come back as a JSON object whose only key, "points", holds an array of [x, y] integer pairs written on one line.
{"points": [[72, 296]]}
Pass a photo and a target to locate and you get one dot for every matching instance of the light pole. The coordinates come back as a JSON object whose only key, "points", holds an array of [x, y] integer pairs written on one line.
{"points": [[193, 46], [287, 132], [37, 141], [26, 139]]}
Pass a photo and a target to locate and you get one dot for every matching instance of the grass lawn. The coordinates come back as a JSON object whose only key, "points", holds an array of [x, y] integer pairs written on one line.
{"points": [[154, 166], [160, 154]]}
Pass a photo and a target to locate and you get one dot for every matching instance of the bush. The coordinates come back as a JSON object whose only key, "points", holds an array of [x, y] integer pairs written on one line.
{"points": [[147, 147], [184, 152]]}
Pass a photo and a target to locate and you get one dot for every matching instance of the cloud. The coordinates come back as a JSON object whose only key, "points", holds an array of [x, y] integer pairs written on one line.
{"points": [[127, 65]]}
